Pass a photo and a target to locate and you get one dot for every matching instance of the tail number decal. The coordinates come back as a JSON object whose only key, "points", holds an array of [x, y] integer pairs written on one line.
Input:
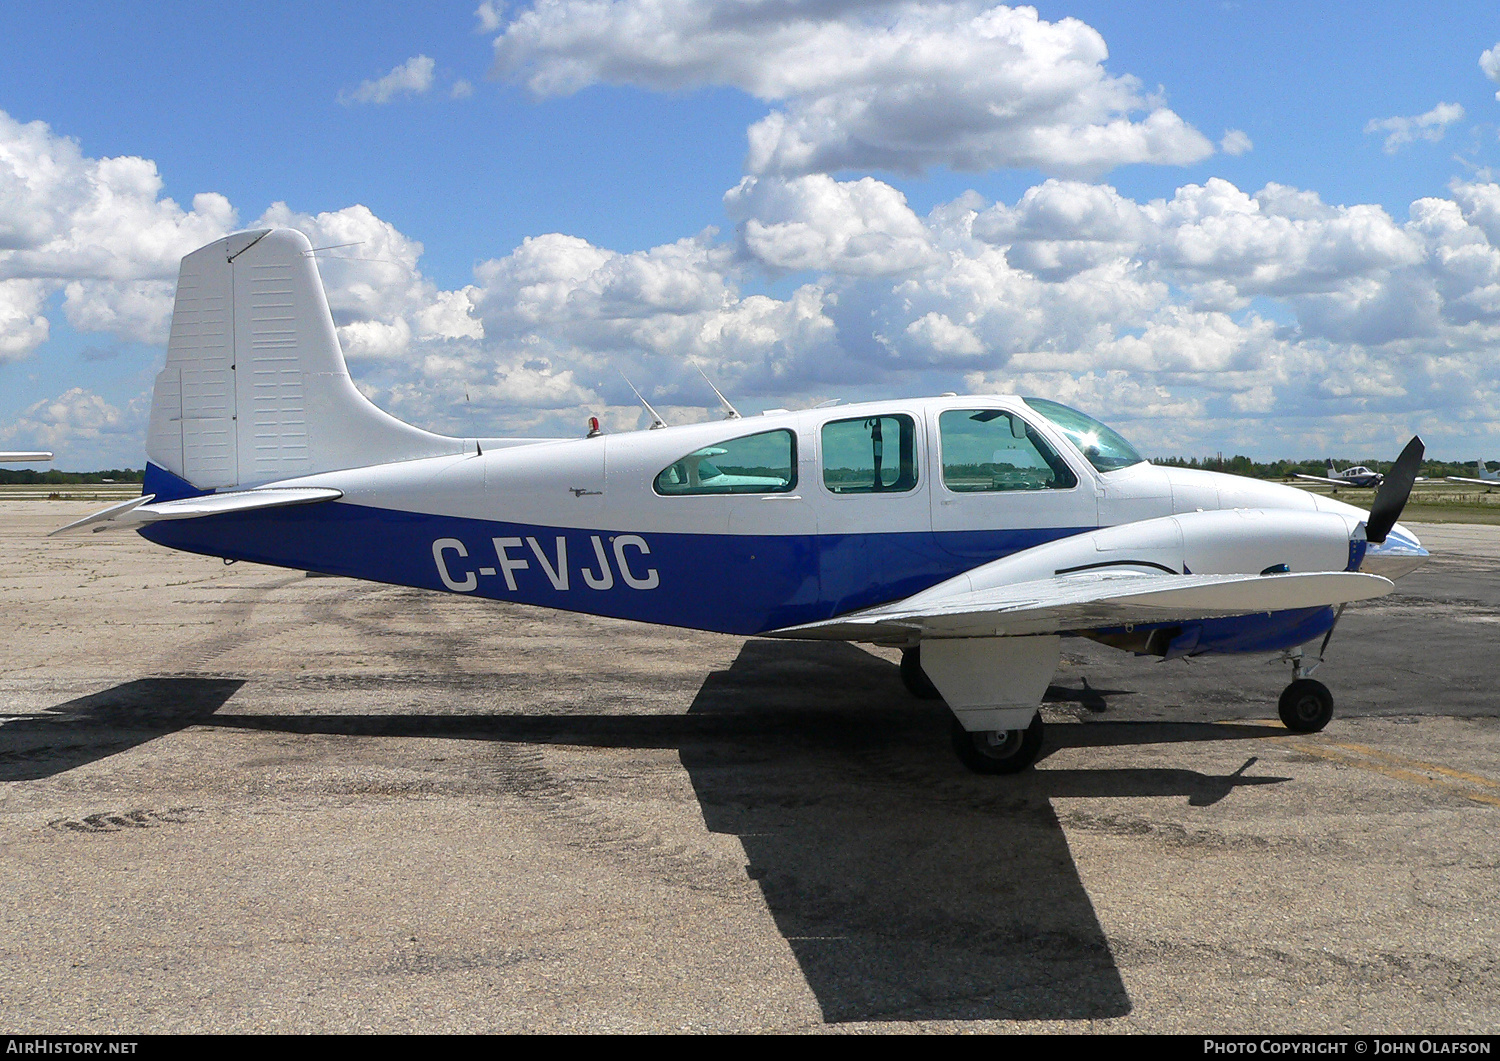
{"points": [[511, 557], [442, 545]]}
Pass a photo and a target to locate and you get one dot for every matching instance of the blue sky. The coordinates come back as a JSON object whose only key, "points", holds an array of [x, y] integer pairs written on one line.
{"points": [[1196, 222]]}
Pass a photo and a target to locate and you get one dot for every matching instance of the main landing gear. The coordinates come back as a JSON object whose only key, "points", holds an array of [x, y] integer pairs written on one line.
{"points": [[1006, 751], [914, 677]]}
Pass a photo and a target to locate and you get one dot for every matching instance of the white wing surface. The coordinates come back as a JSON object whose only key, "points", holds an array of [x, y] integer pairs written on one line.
{"points": [[1094, 601]]}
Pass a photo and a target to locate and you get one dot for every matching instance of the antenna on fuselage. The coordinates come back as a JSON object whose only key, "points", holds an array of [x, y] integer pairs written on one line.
{"points": [[734, 414], [656, 420]]}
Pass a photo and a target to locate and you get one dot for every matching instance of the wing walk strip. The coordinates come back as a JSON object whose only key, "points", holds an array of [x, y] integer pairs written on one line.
{"points": [[1399, 767]]}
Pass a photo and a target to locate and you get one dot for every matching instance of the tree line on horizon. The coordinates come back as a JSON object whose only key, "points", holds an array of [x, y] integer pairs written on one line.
{"points": [[1286, 469], [53, 477]]}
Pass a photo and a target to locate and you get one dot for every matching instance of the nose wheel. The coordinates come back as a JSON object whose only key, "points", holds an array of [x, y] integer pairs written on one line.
{"points": [[1306, 706]]}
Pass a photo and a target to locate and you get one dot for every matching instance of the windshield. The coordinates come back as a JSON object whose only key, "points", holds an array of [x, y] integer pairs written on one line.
{"points": [[1102, 446]]}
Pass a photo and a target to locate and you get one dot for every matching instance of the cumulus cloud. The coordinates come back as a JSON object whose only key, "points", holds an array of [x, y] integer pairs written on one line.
{"points": [[22, 326], [896, 86], [379, 297], [99, 228], [1235, 142], [1489, 62], [861, 227], [1429, 126], [65, 216], [561, 297], [138, 310], [488, 16], [1214, 312], [75, 422], [411, 78], [1278, 241]]}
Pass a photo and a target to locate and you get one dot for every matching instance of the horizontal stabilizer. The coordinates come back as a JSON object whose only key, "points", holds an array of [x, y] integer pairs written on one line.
{"points": [[139, 511], [1099, 601]]}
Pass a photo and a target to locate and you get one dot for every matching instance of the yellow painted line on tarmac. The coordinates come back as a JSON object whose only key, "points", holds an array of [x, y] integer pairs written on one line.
{"points": [[1446, 771], [1390, 765], [1312, 748]]}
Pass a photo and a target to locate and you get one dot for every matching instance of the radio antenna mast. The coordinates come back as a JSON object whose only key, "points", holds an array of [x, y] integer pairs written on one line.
{"points": [[656, 420], [734, 414]]}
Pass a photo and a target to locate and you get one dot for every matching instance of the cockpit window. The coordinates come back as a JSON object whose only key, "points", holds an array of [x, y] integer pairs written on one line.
{"points": [[986, 449], [870, 455], [1101, 446], [755, 464]]}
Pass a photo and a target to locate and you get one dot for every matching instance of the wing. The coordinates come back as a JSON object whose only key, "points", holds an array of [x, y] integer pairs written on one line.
{"points": [[1192, 566], [139, 511], [1324, 479], [1094, 601], [1476, 482]]}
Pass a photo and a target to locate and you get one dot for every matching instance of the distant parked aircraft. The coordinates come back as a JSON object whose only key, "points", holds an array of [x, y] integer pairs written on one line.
{"points": [[1358, 475], [1485, 477]]}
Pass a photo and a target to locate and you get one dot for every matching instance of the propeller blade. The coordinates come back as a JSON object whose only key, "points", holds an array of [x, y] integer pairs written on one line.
{"points": [[1390, 499]]}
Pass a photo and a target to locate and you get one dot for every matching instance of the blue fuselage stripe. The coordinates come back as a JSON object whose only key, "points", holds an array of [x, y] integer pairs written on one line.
{"points": [[730, 583], [736, 584]]}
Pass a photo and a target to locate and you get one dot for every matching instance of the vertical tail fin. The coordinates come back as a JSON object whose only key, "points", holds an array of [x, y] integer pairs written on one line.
{"points": [[255, 388]]}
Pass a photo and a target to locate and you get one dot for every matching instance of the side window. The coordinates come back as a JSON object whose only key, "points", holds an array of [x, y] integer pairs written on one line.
{"points": [[756, 464], [870, 455], [986, 449]]}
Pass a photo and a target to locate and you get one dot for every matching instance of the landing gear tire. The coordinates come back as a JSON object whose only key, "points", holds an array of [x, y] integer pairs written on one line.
{"points": [[1306, 706], [998, 751], [915, 678]]}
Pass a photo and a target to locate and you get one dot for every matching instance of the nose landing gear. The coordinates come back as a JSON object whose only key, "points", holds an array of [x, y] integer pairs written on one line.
{"points": [[1306, 706]]}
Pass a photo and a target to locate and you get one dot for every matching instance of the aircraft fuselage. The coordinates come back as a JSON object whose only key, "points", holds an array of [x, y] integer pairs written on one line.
{"points": [[626, 525]]}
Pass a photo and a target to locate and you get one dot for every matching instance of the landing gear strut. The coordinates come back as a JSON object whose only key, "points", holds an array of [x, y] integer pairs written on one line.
{"points": [[1007, 751]]}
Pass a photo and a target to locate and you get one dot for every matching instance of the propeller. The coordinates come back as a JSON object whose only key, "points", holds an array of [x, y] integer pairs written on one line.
{"points": [[1390, 499]]}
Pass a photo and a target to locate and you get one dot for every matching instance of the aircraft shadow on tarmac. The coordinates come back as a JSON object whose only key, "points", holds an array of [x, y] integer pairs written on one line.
{"points": [[106, 723], [907, 888]]}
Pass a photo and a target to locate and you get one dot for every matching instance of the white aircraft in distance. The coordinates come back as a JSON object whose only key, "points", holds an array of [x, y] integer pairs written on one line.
{"points": [[1358, 475], [22, 457], [973, 532], [1484, 477]]}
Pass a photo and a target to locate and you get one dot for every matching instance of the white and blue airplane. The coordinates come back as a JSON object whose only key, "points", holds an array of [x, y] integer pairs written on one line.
{"points": [[1358, 475], [974, 532]]}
